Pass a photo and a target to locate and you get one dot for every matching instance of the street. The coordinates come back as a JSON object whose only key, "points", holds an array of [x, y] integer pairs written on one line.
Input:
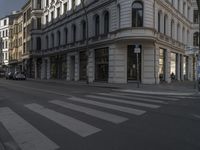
{"points": [[47, 115]]}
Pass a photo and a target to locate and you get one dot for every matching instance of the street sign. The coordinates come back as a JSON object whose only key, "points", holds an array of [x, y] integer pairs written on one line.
{"points": [[137, 50]]}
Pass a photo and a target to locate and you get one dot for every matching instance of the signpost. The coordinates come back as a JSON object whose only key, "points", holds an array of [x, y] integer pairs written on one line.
{"points": [[137, 50]]}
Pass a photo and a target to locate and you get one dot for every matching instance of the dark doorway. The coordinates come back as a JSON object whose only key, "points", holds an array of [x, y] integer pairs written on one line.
{"points": [[132, 66]]}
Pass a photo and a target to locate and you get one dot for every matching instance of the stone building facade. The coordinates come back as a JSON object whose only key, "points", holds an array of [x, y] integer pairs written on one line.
{"points": [[16, 43], [160, 30]]}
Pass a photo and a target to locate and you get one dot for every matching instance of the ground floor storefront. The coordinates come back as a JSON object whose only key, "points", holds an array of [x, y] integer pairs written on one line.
{"points": [[122, 62]]}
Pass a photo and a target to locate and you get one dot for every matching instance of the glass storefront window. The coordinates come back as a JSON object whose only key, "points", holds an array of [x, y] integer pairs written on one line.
{"points": [[185, 67], [162, 65], [173, 67]]}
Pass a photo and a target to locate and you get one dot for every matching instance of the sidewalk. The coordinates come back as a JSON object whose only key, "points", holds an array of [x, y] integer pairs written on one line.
{"points": [[181, 88]]}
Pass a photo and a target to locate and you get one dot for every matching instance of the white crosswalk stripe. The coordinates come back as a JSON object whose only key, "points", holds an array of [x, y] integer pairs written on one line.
{"points": [[157, 97], [124, 101], [132, 97], [72, 124], [92, 112], [25, 135], [109, 106]]}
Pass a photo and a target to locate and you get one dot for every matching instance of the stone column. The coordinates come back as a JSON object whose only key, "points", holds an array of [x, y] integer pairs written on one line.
{"points": [[117, 64], [167, 66]]}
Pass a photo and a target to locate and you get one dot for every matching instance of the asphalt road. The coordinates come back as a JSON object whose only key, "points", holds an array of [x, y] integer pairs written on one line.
{"points": [[56, 116]]}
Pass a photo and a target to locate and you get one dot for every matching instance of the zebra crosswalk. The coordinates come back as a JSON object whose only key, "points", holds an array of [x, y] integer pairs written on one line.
{"points": [[106, 105]]}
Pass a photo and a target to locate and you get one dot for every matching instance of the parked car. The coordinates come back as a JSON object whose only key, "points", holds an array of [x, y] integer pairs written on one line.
{"points": [[9, 75], [19, 76], [2, 73]]}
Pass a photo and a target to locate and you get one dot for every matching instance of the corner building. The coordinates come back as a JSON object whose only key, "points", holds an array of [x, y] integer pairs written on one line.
{"points": [[160, 30]]}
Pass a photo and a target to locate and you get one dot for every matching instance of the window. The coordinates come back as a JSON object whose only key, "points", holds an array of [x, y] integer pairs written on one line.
{"points": [[196, 39], [188, 13], [38, 23], [58, 11], [137, 14], [196, 17], [47, 2], [119, 15], [58, 38], [183, 35], [165, 24], [52, 15], [106, 22], [66, 35], [159, 21], [65, 8], [74, 33], [73, 4], [184, 8], [47, 42], [39, 6], [178, 5], [47, 17], [52, 40], [38, 43], [5, 22], [97, 25], [178, 32], [172, 29], [83, 30]]}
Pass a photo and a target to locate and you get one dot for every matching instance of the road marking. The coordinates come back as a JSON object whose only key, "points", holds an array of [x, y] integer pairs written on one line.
{"points": [[109, 106], [74, 125], [124, 101], [132, 98], [148, 96], [92, 112], [25, 135], [155, 93]]}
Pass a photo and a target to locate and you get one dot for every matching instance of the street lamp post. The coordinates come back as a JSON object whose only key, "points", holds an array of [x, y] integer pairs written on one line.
{"points": [[87, 39]]}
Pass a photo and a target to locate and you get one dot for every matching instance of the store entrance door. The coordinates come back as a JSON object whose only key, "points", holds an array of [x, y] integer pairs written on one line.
{"points": [[134, 63]]}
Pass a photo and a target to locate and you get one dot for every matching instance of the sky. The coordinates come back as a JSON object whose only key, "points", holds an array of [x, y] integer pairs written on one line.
{"points": [[7, 6]]}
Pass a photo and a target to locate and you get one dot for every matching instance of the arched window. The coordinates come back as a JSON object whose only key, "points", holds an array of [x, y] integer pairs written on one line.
{"points": [[119, 15], [83, 24], [52, 41], [159, 21], [165, 24], [106, 22], [188, 37], [137, 14], [196, 39], [47, 42], [66, 35], [178, 32], [38, 43], [74, 33], [97, 25], [172, 29], [58, 38], [183, 35]]}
